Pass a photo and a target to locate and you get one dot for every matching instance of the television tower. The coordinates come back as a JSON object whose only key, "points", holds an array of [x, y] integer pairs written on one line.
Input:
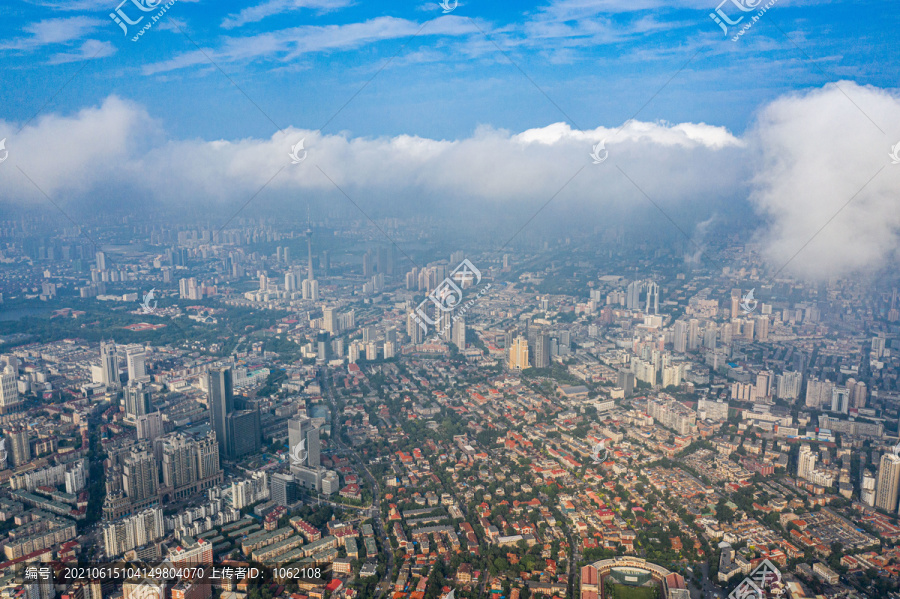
{"points": [[309, 245]]}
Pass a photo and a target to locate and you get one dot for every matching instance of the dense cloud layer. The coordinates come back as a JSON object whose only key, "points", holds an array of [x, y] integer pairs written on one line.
{"points": [[805, 157]]}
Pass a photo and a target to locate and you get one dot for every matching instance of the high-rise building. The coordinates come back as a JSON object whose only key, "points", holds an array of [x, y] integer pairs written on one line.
{"points": [[762, 328], [283, 489], [806, 462], [220, 391], [306, 447], [179, 463], [735, 303], [787, 385], [633, 295], [818, 393], [235, 422], [445, 324], [652, 298], [136, 359], [680, 336], [858, 395], [9, 390], [413, 330], [693, 334], [542, 351], [459, 333], [330, 322], [109, 364], [709, 336], [134, 531], [20, 445], [310, 290], [150, 426], [764, 380], [840, 400], [625, 381], [140, 477], [888, 484], [137, 400], [518, 354], [244, 431]]}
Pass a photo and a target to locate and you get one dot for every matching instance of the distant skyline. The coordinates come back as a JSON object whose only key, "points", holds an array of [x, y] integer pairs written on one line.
{"points": [[792, 123]]}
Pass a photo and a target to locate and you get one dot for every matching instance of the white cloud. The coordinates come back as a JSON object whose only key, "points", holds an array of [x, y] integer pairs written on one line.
{"points": [[53, 31], [807, 155], [813, 153], [89, 49], [289, 44], [259, 12]]}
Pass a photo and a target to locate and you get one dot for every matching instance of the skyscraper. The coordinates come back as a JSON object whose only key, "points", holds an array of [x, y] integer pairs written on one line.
{"points": [[652, 297], [244, 434], [179, 464], [137, 401], [693, 334], [625, 380], [109, 363], [518, 354], [459, 333], [681, 333], [9, 390], [840, 400], [221, 404], [806, 462], [283, 489], [542, 351], [136, 358], [20, 446], [633, 295], [330, 322], [302, 434], [445, 324], [140, 476], [888, 482], [735, 303], [150, 426]]}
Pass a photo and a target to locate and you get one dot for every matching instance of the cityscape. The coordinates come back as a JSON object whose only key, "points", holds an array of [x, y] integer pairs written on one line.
{"points": [[480, 352]]}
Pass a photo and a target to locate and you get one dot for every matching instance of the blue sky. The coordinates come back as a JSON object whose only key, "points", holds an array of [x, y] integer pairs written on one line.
{"points": [[300, 60], [491, 109]]}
